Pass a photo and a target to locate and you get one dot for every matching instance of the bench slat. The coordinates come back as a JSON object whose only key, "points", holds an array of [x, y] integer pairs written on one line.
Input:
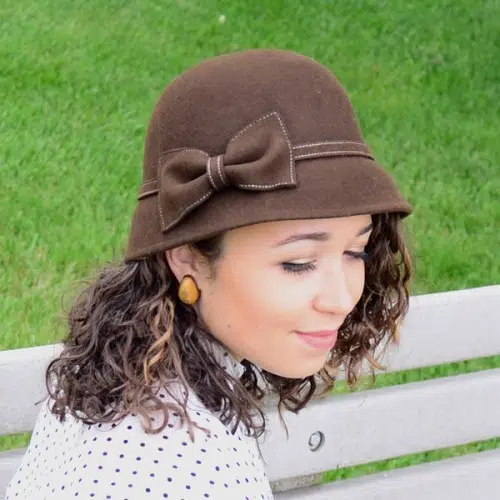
{"points": [[448, 327], [384, 423], [22, 383], [9, 462], [459, 478]]}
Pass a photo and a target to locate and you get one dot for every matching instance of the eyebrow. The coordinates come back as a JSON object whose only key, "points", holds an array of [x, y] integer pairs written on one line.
{"points": [[317, 236]]}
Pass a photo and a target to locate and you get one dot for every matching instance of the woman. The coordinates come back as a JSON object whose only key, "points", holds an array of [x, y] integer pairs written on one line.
{"points": [[265, 253]]}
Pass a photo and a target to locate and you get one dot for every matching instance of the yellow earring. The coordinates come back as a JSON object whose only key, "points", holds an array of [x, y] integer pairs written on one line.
{"points": [[189, 292]]}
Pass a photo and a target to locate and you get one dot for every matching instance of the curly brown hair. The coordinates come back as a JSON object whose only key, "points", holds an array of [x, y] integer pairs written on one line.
{"points": [[129, 333]]}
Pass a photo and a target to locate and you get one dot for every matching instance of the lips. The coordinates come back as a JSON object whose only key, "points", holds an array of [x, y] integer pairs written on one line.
{"points": [[324, 339], [320, 333]]}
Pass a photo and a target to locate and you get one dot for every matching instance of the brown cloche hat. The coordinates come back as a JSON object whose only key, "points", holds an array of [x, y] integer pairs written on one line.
{"points": [[253, 136]]}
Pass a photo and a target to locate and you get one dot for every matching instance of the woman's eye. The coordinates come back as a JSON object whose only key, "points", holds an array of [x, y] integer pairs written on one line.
{"points": [[291, 267], [358, 255]]}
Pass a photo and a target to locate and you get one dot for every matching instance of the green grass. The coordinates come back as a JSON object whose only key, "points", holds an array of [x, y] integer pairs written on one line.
{"points": [[79, 80]]}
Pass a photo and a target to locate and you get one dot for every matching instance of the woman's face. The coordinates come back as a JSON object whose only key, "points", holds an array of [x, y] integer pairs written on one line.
{"points": [[275, 279]]}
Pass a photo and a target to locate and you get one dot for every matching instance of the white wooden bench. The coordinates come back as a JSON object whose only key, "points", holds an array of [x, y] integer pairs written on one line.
{"points": [[360, 427]]}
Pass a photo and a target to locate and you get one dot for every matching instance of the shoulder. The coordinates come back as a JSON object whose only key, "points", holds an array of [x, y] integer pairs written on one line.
{"points": [[123, 460]]}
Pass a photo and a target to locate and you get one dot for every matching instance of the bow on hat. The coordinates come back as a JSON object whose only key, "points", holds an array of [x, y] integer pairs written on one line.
{"points": [[260, 157]]}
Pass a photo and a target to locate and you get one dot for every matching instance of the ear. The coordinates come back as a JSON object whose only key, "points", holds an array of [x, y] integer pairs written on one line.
{"points": [[184, 260]]}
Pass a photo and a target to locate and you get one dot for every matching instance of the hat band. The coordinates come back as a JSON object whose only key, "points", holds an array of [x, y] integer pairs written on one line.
{"points": [[300, 152]]}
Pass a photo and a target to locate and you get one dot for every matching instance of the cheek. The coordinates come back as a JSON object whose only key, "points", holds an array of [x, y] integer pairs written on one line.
{"points": [[261, 298], [356, 282], [246, 304]]}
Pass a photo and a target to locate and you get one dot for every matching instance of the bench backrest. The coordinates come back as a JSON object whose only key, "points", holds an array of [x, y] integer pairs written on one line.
{"points": [[360, 427]]}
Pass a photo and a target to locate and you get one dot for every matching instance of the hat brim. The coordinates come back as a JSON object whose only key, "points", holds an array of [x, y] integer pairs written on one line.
{"points": [[326, 187]]}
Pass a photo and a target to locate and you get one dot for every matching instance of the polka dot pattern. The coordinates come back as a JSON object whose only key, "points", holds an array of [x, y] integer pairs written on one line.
{"points": [[72, 460]]}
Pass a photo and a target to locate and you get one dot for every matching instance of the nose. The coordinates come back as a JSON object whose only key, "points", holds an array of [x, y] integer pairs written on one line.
{"points": [[334, 295]]}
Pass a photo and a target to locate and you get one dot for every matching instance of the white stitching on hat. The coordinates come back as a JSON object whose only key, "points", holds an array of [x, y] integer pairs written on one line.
{"points": [[261, 186], [289, 147], [147, 193], [158, 199], [243, 130], [321, 153], [222, 177], [210, 175], [265, 117], [165, 153], [201, 200], [324, 143], [161, 156]]}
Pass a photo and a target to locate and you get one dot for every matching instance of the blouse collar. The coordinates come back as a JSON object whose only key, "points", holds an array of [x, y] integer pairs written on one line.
{"points": [[227, 361]]}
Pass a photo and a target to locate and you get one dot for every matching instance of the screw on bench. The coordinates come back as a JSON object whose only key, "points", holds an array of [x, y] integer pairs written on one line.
{"points": [[316, 441]]}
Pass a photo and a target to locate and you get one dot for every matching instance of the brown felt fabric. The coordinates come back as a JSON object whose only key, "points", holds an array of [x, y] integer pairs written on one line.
{"points": [[248, 137]]}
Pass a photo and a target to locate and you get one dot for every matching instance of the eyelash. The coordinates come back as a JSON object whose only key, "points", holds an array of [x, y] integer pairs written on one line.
{"points": [[359, 255], [290, 267]]}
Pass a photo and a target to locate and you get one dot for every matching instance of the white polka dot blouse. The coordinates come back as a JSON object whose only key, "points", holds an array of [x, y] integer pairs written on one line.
{"points": [[72, 460]]}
